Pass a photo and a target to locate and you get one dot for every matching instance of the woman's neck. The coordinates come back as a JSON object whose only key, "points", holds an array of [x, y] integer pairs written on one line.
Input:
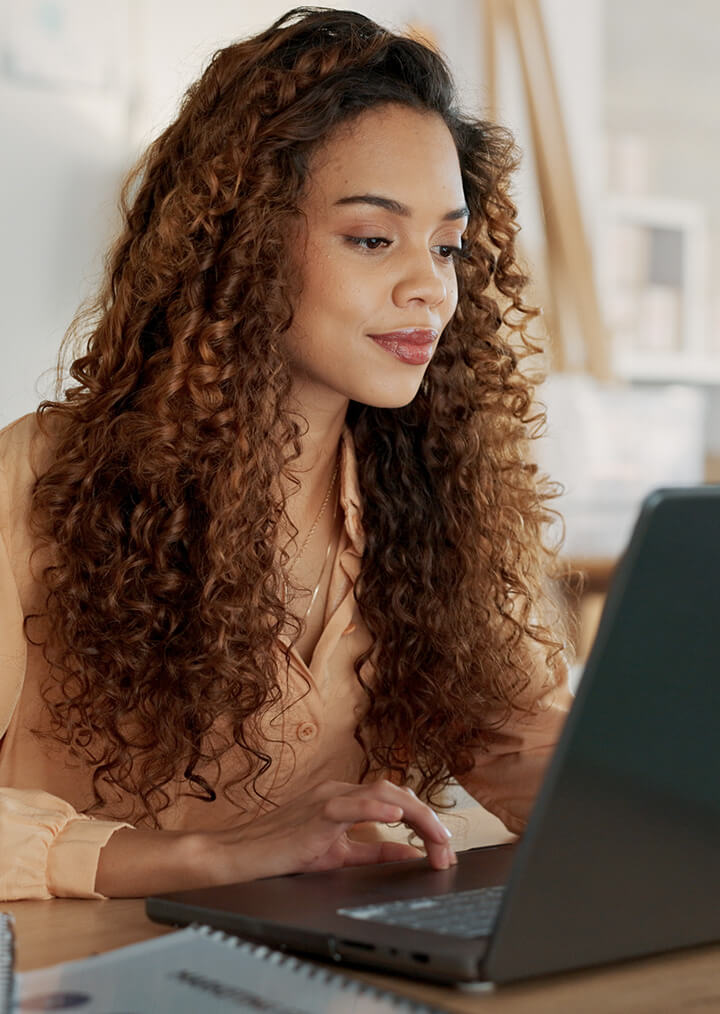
{"points": [[314, 468]]}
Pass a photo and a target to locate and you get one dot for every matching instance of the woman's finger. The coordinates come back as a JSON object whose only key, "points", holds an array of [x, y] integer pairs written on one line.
{"points": [[360, 853], [397, 851], [388, 803], [354, 809], [416, 814]]}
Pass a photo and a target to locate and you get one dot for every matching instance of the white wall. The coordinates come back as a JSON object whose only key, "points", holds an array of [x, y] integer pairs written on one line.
{"points": [[64, 139], [66, 145]]}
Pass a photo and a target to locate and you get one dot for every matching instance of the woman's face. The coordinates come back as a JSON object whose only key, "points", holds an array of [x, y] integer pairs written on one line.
{"points": [[385, 214]]}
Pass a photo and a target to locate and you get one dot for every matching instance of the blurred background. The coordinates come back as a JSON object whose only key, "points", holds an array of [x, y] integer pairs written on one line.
{"points": [[614, 105]]}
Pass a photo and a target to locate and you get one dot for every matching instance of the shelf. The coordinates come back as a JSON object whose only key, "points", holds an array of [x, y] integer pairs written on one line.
{"points": [[668, 368]]}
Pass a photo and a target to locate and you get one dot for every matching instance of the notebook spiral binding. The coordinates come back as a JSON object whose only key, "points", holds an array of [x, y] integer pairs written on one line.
{"points": [[7, 962], [316, 972]]}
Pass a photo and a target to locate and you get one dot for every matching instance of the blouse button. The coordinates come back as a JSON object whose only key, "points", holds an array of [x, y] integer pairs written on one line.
{"points": [[306, 731]]}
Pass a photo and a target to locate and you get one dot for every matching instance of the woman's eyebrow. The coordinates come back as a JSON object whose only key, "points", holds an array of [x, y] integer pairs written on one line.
{"points": [[389, 204]]}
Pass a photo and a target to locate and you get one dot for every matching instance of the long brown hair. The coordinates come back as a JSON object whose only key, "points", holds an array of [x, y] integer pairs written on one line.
{"points": [[161, 508]]}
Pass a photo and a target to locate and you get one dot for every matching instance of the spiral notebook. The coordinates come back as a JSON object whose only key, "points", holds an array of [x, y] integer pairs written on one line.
{"points": [[199, 969], [7, 961]]}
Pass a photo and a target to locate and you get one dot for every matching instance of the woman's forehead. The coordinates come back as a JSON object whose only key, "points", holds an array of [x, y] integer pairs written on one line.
{"points": [[403, 154]]}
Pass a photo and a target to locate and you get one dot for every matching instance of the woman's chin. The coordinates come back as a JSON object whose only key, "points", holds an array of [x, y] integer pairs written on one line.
{"points": [[389, 395]]}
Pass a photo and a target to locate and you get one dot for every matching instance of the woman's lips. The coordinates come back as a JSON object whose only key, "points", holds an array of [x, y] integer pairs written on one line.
{"points": [[413, 335], [410, 345]]}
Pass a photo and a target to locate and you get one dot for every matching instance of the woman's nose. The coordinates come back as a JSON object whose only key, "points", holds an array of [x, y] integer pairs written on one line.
{"points": [[421, 281]]}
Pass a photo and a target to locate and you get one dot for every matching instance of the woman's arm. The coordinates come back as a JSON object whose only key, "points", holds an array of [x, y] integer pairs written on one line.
{"points": [[49, 850], [309, 834]]}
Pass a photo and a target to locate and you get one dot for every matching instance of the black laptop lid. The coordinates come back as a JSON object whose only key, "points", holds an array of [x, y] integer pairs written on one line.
{"points": [[622, 853]]}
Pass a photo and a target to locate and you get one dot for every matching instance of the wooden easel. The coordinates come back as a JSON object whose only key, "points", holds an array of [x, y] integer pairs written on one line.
{"points": [[572, 293]]}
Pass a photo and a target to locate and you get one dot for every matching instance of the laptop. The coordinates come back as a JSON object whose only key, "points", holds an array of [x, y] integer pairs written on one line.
{"points": [[621, 856]]}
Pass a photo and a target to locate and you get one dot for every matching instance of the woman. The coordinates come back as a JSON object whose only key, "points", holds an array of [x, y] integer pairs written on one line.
{"points": [[276, 559]]}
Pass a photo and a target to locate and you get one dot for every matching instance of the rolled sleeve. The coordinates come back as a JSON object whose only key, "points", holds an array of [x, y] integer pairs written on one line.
{"points": [[47, 849], [12, 641]]}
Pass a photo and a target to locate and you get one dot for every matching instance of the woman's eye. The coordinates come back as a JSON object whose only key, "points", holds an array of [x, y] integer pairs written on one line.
{"points": [[449, 252], [369, 242]]}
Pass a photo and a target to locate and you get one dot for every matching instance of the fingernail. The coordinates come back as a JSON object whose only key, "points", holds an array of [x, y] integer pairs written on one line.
{"points": [[446, 831]]}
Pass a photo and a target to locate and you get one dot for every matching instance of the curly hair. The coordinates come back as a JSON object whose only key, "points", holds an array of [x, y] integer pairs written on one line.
{"points": [[164, 597]]}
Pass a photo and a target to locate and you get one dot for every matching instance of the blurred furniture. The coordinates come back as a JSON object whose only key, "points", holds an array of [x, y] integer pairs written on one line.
{"points": [[574, 302]]}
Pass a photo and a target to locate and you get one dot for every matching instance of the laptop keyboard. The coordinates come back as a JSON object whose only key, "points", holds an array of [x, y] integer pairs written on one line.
{"points": [[463, 914]]}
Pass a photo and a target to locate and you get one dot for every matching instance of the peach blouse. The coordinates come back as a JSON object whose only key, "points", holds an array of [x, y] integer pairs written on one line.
{"points": [[48, 847]]}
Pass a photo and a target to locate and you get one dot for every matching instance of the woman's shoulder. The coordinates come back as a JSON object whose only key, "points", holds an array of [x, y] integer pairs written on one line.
{"points": [[25, 450], [17, 433]]}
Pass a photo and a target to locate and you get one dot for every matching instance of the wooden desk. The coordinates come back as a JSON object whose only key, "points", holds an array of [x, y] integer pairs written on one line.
{"points": [[59, 930]]}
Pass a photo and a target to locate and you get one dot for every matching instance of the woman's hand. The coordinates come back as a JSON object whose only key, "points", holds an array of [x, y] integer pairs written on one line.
{"points": [[308, 834], [311, 833]]}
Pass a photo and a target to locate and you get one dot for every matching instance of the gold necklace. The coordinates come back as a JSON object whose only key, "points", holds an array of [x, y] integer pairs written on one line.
{"points": [[316, 522], [322, 570], [307, 540]]}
